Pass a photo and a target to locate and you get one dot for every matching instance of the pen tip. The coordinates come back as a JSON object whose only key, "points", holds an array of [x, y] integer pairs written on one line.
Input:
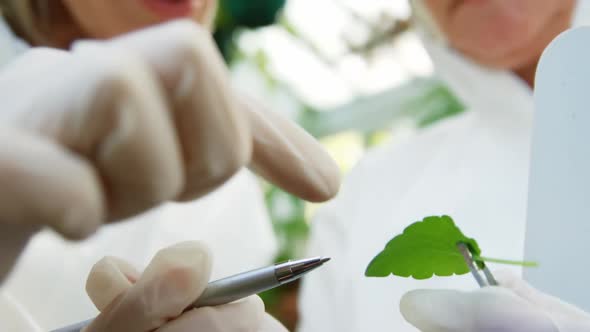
{"points": [[324, 260]]}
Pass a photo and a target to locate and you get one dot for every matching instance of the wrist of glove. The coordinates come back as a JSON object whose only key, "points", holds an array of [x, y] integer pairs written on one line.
{"points": [[155, 300], [514, 306]]}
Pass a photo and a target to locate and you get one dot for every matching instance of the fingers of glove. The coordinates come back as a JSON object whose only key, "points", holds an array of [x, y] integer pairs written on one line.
{"points": [[270, 324], [23, 78], [488, 309], [213, 131], [43, 184], [289, 157], [133, 138], [553, 306], [108, 107], [241, 316], [175, 278], [109, 278]]}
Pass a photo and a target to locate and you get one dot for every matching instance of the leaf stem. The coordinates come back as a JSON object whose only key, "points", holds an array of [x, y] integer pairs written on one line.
{"points": [[505, 261]]}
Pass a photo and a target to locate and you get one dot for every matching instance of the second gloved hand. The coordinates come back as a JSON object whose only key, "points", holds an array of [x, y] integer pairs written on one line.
{"points": [[514, 306], [155, 300]]}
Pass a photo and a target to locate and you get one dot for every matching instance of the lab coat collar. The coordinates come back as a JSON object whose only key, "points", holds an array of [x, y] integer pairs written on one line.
{"points": [[480, 89]]}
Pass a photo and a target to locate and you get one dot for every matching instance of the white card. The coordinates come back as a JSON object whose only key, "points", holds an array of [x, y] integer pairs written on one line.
{"points": [[558, 217]]}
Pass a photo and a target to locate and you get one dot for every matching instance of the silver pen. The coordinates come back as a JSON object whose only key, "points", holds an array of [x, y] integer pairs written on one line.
{"points": [[241, 285]]}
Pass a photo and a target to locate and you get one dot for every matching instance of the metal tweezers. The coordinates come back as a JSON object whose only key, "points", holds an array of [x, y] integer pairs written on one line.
{"points": [[489, 277]]}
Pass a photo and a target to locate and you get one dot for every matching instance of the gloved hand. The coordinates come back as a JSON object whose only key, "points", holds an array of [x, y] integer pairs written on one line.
{"points": [[114, 128], [514, 306], [155, 300]]}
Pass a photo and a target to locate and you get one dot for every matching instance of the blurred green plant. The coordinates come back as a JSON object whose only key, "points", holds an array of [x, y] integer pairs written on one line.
{"points": [[287, 213], [234, 15], [422, 101]]}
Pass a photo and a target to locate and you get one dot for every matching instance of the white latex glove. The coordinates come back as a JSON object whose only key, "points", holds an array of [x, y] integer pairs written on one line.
{"points": [[514, 306], [155, 300], [115, 128]]}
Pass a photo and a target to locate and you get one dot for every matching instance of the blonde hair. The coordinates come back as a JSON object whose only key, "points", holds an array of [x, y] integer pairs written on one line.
{"points": [[29, 19]]}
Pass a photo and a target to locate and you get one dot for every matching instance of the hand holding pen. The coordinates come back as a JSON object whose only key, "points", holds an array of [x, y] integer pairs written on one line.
{"points": [[163, 297]]}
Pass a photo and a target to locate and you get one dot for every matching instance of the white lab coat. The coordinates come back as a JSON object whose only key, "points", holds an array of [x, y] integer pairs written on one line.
{"points": [[473, 167], [46, 288]]}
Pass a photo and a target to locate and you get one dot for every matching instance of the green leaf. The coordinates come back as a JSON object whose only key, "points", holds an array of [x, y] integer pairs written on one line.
{"points": [[424, 249]]}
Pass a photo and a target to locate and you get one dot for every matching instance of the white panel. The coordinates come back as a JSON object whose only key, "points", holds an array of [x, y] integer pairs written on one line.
{"points": [[558, 220]]}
